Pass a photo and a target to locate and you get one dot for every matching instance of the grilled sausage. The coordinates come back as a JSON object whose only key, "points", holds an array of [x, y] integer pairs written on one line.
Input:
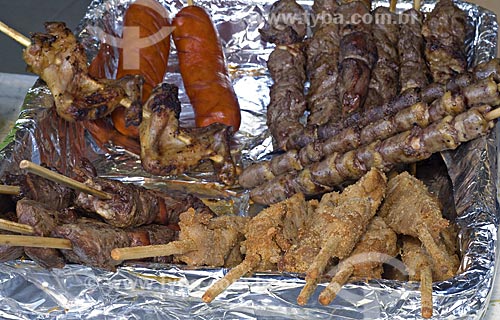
{"points": [[203, 69]]}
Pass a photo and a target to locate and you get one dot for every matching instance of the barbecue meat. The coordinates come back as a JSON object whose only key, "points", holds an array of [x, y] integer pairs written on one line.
{"points": [[43, 220], [444, 31], [133, 206], [322, 67], [167, 148], [52, 194], [410, 209], [93, 241], [280, 28], [413, 69], [214, 240], [358, 55], [58, 58]]}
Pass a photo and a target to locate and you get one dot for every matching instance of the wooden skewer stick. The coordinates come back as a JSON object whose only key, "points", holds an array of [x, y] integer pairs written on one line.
{"points": [[14, 34], [392, 6], [190, 2], [11, 190], [26, 42], [416, 5], [59, 178], [15, 227], [492, 115], [33, 241], [141, 252]]}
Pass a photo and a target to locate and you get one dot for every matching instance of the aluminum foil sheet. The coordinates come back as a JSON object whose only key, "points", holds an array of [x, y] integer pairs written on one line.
{"points": [[151, 291]]}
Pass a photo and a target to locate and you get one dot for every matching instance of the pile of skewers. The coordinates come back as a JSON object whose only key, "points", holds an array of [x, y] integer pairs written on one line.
{"points": [[381, 95], [100, 225]]}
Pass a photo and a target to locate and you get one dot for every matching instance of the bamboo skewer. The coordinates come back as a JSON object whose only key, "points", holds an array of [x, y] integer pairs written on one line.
{"points": [[10, 190], [416, 5], [141, 252], [14, 34], [392, 6], [26, 42], [34, 241], [15, 227], [59, 178]]}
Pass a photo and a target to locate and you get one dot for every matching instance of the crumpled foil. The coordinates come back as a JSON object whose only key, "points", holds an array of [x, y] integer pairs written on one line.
{"points": [[155, 291]]}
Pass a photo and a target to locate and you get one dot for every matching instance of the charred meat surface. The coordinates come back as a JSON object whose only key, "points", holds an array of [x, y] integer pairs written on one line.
{"points": [[60, 60], [286, 24], [133, 206], [167, 148], [44, 221], [444, 31]]}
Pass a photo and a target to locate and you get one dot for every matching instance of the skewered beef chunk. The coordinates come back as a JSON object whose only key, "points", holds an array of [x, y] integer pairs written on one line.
{"points": [[93, 241], [133, 206], [413, 72], [287, 67], [444, 31], [287, 23], [43, 220]]}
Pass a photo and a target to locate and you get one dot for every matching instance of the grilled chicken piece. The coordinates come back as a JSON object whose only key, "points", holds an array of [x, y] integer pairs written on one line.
{"points": [[341, 222], [58, 58], [411, 210], [209, 241], [268, 235], [375, 247], [167, 148]]}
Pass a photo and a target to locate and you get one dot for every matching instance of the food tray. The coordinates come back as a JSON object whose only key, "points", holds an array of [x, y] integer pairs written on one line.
{"points": [[155, 291]]}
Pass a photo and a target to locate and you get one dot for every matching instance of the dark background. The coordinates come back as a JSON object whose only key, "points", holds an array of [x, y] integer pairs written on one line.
{"points": [[28, 16]]}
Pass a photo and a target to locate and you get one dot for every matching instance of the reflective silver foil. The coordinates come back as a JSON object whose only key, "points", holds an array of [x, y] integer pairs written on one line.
{"points": [[174, 292]]}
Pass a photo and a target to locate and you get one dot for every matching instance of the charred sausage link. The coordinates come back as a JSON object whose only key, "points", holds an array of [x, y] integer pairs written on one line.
{"points": [[421, 114], [444, 31], [407, 147], [204, 70]]}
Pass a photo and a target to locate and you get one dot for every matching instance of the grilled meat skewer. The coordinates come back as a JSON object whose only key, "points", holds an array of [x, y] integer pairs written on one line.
{"points": [[279, 28], [342, 223], [376, 246], [444, 31], [60, 60], [287, 101], [167, 148], [421, 114], [407, 147]]}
